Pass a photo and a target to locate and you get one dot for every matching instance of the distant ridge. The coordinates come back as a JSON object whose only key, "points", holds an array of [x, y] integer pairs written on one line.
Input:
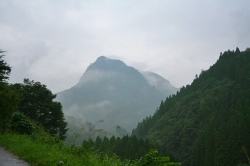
{"points": [[159, 83], [117, 93]]}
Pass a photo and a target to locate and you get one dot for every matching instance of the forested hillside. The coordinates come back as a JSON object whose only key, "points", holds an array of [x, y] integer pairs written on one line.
{"points": [[206, 123]]}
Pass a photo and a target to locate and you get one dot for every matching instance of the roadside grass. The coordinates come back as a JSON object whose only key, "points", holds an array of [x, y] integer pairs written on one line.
{"points": [[40, 152], [41, 149]]}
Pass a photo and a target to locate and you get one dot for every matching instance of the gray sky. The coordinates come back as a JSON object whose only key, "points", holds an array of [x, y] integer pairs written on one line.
{"points": [[54, 41]]}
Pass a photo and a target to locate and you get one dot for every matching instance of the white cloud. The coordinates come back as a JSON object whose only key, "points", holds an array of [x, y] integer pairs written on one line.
{"points": [[92, 111], [55, 41]]}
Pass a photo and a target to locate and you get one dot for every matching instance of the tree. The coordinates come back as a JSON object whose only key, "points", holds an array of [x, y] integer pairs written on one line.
{"points": [[37, 104], [5, 69], [8, 98], [8, 104]]}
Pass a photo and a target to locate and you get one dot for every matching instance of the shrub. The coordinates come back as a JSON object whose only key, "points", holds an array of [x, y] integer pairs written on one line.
{"points": [[152, 158], [21, 124], [8, 104]]}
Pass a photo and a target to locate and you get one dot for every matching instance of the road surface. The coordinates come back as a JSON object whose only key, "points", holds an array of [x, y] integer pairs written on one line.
{"points": [[8, 159]]}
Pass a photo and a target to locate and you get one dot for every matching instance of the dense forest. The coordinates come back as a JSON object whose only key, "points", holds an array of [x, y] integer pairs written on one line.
{"points": [[127, 147], [206, 123]]}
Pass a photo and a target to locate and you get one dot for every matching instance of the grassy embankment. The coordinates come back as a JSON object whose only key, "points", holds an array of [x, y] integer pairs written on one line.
{"points": [[40, 149], [46, 151]]}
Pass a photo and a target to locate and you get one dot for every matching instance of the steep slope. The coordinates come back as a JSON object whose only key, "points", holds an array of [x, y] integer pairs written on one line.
{"points": [[207, 123], [112, 91], [159, 83]]}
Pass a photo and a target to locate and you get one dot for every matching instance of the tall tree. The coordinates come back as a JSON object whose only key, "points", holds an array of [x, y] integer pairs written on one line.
{"points": [[8, 98], [5, 69], [37, 103]]}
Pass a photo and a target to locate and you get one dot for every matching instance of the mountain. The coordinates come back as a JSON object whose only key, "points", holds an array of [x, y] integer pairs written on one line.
{"points": [[114, 92], [159, 83], [206, 123]]}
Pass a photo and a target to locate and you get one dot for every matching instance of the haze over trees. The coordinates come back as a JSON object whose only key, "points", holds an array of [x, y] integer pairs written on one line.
{"points": [[79, 130], [206, 123]]}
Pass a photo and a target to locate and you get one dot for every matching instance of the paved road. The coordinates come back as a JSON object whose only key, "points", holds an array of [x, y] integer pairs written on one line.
{"points": [[8, 159]]}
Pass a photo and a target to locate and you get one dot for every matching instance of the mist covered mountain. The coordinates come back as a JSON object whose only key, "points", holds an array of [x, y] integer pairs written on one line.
{"points": [[116, 93], [159, 83]]}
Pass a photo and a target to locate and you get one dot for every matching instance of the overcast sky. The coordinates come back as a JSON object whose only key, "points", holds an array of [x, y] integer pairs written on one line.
{"points": [[54, 41]]}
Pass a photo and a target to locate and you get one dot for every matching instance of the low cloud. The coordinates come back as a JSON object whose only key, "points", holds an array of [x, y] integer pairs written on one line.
{"points": [[92, 111]]}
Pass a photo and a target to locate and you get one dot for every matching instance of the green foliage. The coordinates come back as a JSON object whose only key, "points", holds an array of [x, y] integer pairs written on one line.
{"points": [[8, 104], [21, 124], [129, 148], [152, 159], [5, 69], [8, 97], [36, 151], [37, 104], [206, 123]]}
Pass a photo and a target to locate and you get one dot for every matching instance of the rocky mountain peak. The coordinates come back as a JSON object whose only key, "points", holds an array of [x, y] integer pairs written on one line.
{"points": [[103, 63]]}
